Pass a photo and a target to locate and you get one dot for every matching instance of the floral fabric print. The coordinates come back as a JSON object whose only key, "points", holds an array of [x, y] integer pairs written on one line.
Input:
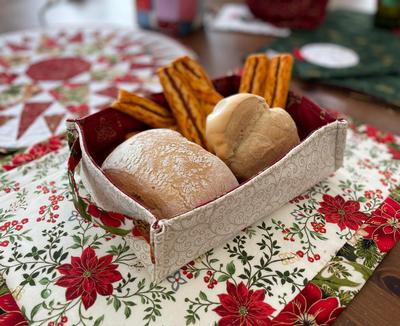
{"points": [[343, 213], [80, 274], [345, 274], [309, 308], [10, 313], [87, 276], [35, 152], [384, 225], [240, 306]]}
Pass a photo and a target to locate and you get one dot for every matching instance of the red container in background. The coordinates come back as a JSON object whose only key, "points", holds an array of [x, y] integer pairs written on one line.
{"points": [[179, 17], [290, 13]]}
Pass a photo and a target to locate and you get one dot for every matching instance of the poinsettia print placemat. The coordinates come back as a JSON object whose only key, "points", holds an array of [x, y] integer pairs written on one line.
{"points": [[48, 76], [304, 263]]}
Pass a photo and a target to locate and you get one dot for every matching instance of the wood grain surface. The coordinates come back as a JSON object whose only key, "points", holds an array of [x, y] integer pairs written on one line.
{"points": [[378, 303]]}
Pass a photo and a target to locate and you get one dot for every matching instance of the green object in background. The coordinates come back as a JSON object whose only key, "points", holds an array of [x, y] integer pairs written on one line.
{"points": [[385, 88], [388, 14], [378, 49], [378, 70]]}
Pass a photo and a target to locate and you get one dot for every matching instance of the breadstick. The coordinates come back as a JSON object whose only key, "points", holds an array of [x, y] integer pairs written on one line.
{"points": [[254, 74], [198, 80], [184, 104], [144, 110], [278, 80]]}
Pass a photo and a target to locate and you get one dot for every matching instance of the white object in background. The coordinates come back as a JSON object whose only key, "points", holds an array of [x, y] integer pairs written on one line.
{"points": [[121, 13], [366, 6], [238, 18], [329, 55]]}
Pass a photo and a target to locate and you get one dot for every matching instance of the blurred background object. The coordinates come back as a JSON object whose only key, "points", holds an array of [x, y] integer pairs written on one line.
{"points": [[388, 14], [19, 14], [290, 13], [178, 17], [237, 17], [211, 45], [362, 58]]}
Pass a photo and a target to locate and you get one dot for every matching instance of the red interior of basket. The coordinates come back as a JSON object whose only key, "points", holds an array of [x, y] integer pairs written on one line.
{"points": [[104, 130]]}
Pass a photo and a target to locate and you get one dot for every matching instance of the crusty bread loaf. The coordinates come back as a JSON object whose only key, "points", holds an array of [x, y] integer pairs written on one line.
{"points": [[247, 135], [167, 173]]}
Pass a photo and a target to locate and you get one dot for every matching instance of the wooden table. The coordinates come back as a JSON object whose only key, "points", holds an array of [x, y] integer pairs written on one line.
{"points": [[378, 302]]}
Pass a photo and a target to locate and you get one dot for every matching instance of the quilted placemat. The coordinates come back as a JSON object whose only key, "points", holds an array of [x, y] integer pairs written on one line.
{"points": [[304, 263], [385, 88], [362, 58], [48, 76], [376, 49]]}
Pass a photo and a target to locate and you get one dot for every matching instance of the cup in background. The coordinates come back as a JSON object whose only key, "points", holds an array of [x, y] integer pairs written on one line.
{"points": [[179, 17]]}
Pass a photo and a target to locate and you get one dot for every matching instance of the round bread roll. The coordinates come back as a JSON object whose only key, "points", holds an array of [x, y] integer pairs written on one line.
{"points": [[167, 173], [249, 136]]}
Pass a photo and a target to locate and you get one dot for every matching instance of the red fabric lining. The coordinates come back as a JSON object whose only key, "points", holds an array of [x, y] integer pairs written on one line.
{"points": [[104, 130]]}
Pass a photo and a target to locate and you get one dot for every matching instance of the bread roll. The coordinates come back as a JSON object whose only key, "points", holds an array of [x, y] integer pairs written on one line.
{"points": [[247, 135], [167, 173]]}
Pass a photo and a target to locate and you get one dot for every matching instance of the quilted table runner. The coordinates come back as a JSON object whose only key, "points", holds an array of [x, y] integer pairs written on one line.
{"points": [[304, 263], [51, 75]]}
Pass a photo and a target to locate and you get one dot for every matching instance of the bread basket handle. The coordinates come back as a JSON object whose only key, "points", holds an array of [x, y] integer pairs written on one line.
{"points": [[109, 221]]}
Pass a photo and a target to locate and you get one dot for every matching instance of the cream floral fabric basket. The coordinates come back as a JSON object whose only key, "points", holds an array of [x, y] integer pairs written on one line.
{"points": [[163, 246]]}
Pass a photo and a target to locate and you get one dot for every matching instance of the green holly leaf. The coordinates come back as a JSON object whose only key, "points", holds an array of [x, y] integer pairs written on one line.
{"points": [[223, 278], [35, 310], [44, 281], [130, 303], [127, 312], [190, 320], [3, 289], [334, 282], [202, 295], [99, 321], [395, 194], [363, 270], [116, 231], [117, 304], [230, 268]]}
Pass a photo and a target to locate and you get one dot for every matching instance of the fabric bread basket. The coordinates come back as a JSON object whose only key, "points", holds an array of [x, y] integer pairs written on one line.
{"points": [[165, 245]]}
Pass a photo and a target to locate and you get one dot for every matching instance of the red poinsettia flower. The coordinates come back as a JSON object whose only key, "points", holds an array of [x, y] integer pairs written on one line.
{"points": [[394, 149], [243, 307], [10, 315], [107, 218], [308, 308], [380, 136], [7, 78], [384, 225], [341, 212], [88, 275]]}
